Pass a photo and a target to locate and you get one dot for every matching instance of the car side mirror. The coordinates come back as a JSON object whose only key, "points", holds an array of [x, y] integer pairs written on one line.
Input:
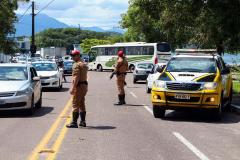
{"points": [[36, 78], [159, 69], [225, 71]]}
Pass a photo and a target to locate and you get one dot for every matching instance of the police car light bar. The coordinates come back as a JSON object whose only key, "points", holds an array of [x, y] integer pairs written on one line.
{"points": [[196, 50]]}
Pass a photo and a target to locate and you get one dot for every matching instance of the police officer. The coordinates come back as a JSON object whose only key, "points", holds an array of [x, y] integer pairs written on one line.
{"points": [[120, 70], [79, 90]]}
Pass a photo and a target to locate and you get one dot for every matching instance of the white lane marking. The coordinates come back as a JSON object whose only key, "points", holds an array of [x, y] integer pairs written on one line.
{"points": [[190, 146], [148, 109], [235, 105], [133, 94]]}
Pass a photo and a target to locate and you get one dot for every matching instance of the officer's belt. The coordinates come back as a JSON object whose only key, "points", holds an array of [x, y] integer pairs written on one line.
{"points": [[121, 73], [85, 82]]}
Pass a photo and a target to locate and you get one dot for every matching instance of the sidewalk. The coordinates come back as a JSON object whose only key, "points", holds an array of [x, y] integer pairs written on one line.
{"points": [[236, 103]]}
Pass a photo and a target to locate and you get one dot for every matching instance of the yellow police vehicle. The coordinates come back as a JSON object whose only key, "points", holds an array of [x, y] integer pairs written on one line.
{"points": [[193, 79]]}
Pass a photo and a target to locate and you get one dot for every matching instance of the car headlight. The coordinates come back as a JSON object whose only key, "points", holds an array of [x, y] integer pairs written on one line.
{"points": [[22, 92], [54, 76], [160, 84], [210, 85]]}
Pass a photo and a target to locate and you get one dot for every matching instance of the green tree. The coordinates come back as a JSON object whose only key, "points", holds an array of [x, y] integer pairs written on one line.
{"points": [[202, 23], [7, 20], [88, 43]]}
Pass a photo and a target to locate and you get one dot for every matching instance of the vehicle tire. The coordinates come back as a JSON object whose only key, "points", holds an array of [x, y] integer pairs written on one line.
{"points": [[217, 112], [59, 86], [147, 88], [228, 107], [131, 68], [100, 68], [39, 103], [158, 112], [30, 111], [134, 80]]}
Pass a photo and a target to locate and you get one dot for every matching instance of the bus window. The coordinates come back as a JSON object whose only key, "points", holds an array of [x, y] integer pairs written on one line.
{"points": [[150, 50], [163, 47], [138, 51], [110, 51], [106, 51], [101, 51]]}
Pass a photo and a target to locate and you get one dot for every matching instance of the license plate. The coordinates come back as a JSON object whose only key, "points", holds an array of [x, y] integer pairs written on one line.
{"points": [[2, 102], [182, 96]]}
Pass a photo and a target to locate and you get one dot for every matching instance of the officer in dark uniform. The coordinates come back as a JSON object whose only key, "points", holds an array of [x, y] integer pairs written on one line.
{"points": [[79, 90], [120, 70]]}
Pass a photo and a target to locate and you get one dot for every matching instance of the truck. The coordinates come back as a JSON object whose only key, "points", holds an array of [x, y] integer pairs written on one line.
{"points": [[56, 52], [4, 58]]}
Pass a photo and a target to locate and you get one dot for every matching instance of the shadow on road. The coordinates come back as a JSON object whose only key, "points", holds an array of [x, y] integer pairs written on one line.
{"points": [[38, 112], [100, 127], [205, 117], [55, 90]]}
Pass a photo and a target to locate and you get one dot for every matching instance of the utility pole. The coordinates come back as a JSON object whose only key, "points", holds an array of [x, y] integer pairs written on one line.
{"points": [[79, 34], [33, 47]]}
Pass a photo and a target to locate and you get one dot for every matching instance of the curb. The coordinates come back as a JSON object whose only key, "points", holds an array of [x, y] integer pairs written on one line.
{"points": [[236, 108]]}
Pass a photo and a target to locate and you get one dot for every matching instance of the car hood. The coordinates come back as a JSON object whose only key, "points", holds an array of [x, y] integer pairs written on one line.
{"points": [[46, 73], [187, 76], [10, 86], [67, 66]]}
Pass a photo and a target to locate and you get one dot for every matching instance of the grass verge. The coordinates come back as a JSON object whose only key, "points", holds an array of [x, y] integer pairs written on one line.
{"points": [[236, 87]]}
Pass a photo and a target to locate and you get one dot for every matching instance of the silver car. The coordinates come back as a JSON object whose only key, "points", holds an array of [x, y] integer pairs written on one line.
{"points": [[141, 71], [50, 75], [20, 87]]}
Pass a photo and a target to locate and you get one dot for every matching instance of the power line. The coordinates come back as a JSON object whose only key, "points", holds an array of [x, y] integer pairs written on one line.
{"points": [[44, 7], [24, 13]]}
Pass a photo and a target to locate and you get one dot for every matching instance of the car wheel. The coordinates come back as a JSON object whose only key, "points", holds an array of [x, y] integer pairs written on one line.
{"points": [[158, 112], [59, 86], [147, 88], [134, 80], [228, 107], [100, 68], [131, 68], [39, 103], [31, 109], [217, 112]]}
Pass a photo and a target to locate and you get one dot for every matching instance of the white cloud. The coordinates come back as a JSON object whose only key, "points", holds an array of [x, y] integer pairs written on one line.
{"points": [[102, 13]]}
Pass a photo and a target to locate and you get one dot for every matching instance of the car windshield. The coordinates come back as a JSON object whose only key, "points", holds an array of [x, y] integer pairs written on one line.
{"points": [[13, 73], [22, 59], [68, 63], [45, 66], [191, 64], [145, 65]]}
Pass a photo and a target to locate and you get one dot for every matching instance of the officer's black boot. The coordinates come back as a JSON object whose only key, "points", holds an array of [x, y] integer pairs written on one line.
{"points": [[83, 121], [73, 124], [123, 99], [120, 97]]}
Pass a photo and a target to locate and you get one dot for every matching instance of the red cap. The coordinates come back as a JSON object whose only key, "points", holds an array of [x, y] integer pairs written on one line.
{"points": [[120, 53], [75, 52]]}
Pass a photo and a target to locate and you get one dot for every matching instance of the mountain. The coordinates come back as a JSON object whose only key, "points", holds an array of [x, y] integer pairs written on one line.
{"points": [[42, 22]]}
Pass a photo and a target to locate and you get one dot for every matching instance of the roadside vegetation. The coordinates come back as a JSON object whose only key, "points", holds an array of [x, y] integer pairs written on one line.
{"points": [[236, 87]]}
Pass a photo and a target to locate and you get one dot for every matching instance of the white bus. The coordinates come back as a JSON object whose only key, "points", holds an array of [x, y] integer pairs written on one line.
{"points": [[106, 55]]}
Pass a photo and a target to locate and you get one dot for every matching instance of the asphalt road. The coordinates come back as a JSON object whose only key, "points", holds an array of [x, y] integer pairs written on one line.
{"points": [[116, 132]]}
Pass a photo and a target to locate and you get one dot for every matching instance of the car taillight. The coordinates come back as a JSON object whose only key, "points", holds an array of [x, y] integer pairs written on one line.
{"points": [[156, 60], [136, 71]]}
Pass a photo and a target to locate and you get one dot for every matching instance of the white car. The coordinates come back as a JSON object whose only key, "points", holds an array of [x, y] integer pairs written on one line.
{"points": [[20, 87], [22, 60], [50, 75], [154, 74]]}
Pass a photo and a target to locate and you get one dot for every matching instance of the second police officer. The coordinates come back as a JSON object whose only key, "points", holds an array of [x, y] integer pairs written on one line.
{"points": [[79, 90], [120, 70]]}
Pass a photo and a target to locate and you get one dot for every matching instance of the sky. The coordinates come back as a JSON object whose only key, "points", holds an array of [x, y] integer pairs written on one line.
{"points": [[88, 13]]}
